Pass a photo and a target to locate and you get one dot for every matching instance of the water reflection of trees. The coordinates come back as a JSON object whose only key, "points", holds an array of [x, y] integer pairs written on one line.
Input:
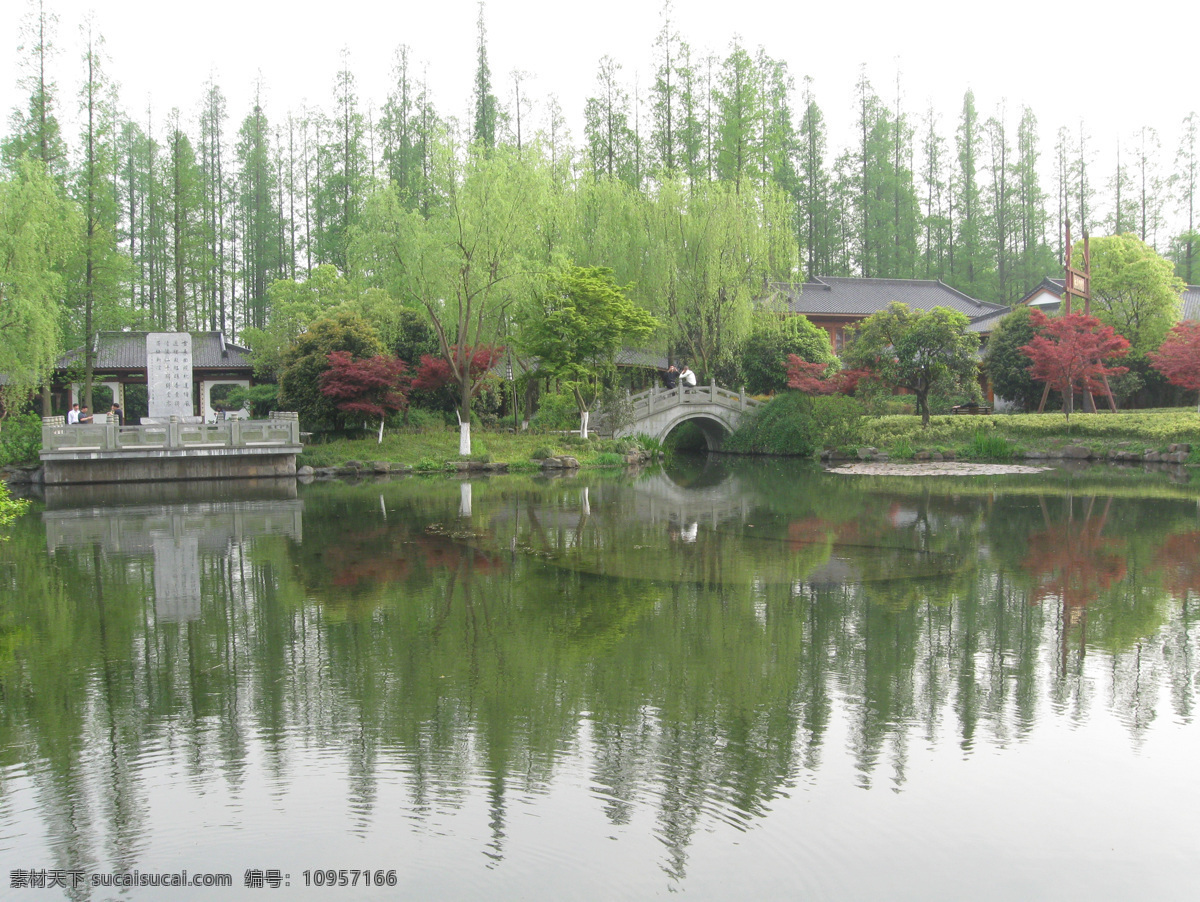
{"points": [[704, 677]]}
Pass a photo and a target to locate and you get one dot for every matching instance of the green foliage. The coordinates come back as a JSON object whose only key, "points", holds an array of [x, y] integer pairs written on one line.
{"points": [[305, 361], [1006, 366], [918, 350], [39, 231], [556, 411], [609, 459], [418, 419], [293, 306], [797, 424], [542, 452], [901, 449], [10, 508], [260, 399], [1134, 290], [990, 446], [648, 443], [576, 326], [764, 353], [1156, 428], [20, 439]]}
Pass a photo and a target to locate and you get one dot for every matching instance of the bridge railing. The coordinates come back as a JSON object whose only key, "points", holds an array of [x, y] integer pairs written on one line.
{"points": [[649, 402]]}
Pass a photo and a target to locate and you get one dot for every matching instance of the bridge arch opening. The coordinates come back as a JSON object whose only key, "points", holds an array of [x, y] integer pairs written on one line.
{"points": [[699, 432]]}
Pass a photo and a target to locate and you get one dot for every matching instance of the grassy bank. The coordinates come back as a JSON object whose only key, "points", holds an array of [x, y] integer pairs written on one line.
{"points": [[999, 436], [433, 450]]}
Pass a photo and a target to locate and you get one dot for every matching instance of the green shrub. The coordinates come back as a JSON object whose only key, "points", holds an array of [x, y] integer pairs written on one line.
{"points": [[648, 443], [429, 465], [901, 450], [418, 418], [260, 399], [609, 459], [20, 439], [990, 445], [794, 423], [556, 412], [10, 508], [543, 452]]}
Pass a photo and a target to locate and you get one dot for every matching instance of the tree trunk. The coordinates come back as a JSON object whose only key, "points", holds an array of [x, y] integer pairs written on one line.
{"points": [[583, 424]]}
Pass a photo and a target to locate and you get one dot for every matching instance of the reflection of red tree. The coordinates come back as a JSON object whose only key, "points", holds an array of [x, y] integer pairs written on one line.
{"points": [[366, 556], [443, 551], [1179, 559], [384, 555], [1070, 561], [814, 530]]}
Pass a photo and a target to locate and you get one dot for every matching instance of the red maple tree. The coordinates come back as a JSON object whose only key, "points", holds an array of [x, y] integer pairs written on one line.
{"points": [[1069, 351], [435, 372], [1178, 357], [815, 378], [372, 386]]}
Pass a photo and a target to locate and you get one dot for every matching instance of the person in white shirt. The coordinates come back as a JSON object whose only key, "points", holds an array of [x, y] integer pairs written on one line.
{"points": [[686, 377], [73, 415]]}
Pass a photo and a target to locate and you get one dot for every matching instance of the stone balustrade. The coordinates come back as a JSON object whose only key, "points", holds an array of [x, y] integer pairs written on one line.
{"points": [[282, 429]]}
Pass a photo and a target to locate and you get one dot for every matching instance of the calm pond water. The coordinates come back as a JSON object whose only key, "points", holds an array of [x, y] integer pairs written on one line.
{"points": [[725, 680]]}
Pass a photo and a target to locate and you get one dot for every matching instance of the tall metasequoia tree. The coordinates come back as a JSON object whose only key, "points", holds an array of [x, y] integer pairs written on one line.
{"points": [[486, 107], [665, 106], [1033, 256], [739, 102], [184, 202], [97, 279], [1187, 173], [813, 189], [214, 193], [1149, 185], [969, 259], [259, 246], [35, 131], [1001, 208], [606, 126], [935, 189], [344, 182]]}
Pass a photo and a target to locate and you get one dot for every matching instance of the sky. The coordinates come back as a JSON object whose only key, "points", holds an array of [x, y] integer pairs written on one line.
{"points": [[1129, 72]]}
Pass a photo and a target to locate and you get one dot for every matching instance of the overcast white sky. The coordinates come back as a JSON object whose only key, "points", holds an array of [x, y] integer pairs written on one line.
{"points": [[1133, 71]]}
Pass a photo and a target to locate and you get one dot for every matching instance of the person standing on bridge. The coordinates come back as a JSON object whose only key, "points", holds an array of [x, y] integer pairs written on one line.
{"points": [[671, 376]]}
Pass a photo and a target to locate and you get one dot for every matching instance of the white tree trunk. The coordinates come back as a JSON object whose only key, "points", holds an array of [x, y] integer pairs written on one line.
{"points": [[464, 438], [380, 442], [583, 424]]}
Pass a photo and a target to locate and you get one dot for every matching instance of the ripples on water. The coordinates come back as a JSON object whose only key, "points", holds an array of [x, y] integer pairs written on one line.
{"points": [[759, 682]]}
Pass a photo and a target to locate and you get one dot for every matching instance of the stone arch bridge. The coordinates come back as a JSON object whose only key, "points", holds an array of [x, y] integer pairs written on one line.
{"points": [[715, 410]]}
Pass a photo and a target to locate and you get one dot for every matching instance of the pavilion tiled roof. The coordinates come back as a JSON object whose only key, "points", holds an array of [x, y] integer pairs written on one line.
{"points": [[127, 351]]}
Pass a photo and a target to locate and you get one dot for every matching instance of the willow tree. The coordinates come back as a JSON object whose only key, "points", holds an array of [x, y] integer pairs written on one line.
{"points": [[467, 262], [38, 231], [710, 252]]}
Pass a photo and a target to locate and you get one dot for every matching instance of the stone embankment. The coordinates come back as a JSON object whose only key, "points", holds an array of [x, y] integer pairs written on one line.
{"points": [[1175, 454], [1124, 453]]}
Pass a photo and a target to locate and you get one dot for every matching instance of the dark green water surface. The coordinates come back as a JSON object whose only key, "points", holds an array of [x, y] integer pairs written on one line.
{"points": [[723, 680]]}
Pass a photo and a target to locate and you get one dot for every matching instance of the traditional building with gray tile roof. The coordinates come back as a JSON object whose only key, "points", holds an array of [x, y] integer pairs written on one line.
{"points": [[833, 303]]}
